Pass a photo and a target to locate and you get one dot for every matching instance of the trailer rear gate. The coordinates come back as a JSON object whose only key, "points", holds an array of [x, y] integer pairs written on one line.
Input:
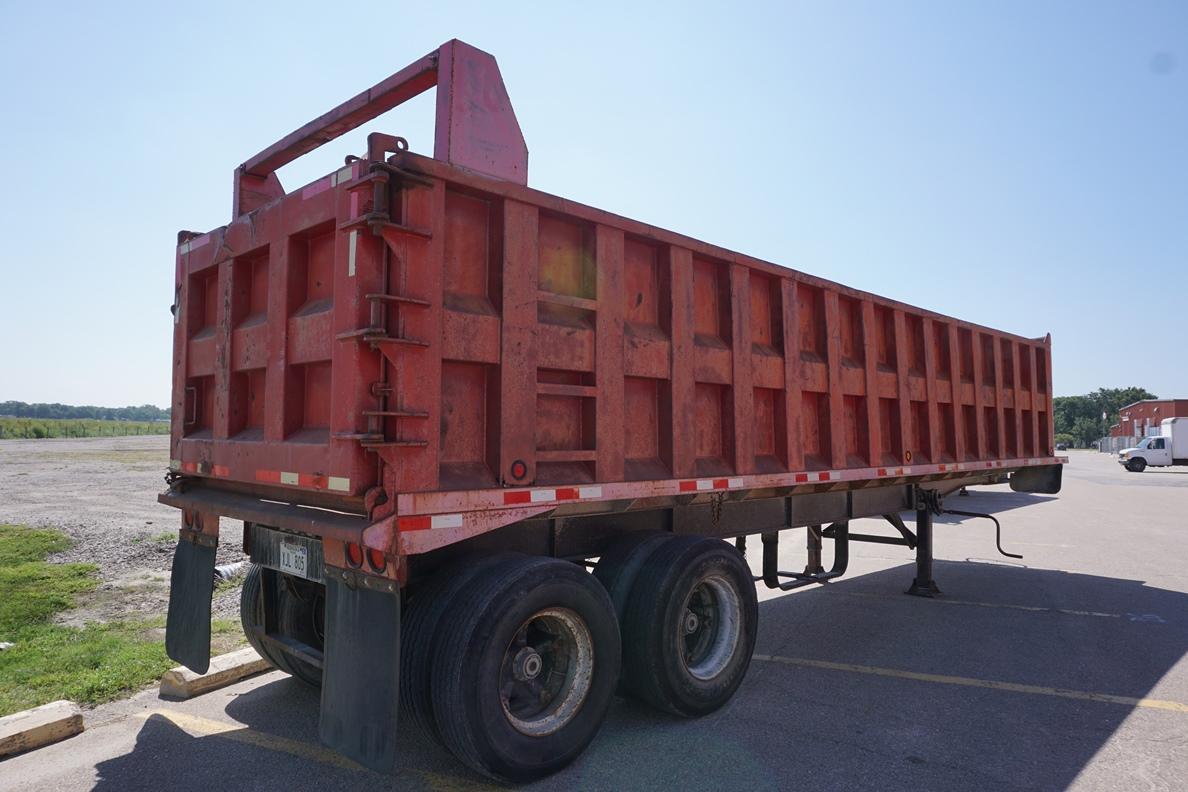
{"points": [[404, 356]]}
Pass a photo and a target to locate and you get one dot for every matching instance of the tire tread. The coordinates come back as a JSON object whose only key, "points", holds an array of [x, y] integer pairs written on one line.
{"points": [[644, 640], [420, 633], [467, 631]]}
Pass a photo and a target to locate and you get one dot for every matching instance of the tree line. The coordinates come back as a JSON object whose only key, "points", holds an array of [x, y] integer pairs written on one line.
{"points": [[1077, 420], [145, 412], [40, 428]]}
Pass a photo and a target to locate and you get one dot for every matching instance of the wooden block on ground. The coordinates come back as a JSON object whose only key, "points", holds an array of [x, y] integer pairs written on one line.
{"points": [[49, 723], [224, 670]]}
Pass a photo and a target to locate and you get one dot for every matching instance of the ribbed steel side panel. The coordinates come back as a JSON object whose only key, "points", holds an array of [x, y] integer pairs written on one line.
{"points": [[486, 335]]}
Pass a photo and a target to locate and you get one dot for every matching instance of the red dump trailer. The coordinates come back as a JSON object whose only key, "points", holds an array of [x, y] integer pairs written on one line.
{"points": [[434, 395]]}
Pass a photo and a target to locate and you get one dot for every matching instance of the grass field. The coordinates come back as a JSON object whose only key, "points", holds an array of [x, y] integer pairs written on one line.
{"points": [[39, 428], [48, 661]]}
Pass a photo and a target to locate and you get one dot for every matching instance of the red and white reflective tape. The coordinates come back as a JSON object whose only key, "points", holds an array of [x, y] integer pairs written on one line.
{"points": [[804, 478], [426, 522], [222, 471], [708, 485], [307, 480], [898, 471], [285, 477], [557, 495], [530, 497], [467, 501]]}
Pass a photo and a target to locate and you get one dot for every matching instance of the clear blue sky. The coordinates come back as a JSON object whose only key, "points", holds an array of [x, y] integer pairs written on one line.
{"points": [[1022, 165]]}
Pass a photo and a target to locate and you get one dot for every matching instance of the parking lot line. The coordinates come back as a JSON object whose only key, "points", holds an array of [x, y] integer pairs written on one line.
{"points": [[988, 684], [1008, 606], [205, 727]]}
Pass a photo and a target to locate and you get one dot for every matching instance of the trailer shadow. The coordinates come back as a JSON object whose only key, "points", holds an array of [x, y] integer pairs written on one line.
{"points": [[909, 689], [854, 686], [987, 501]]}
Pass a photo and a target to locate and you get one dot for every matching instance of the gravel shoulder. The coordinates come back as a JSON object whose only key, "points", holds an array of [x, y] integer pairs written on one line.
{"points": [[102, 491]]}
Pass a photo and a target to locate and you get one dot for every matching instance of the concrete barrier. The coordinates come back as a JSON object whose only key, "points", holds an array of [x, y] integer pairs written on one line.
{"points": [[182, 683], [34, 728]]}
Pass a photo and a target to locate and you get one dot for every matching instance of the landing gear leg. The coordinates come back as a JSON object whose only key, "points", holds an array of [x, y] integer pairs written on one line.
{"points": [[924, 585], [813, 542]]}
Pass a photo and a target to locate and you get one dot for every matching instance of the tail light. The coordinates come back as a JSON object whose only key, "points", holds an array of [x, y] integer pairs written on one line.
{"points": [[376, 559], [354, 554]]}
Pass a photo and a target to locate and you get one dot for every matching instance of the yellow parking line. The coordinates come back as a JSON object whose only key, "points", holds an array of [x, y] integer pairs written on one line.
{"points": [[988, 684], [204, 727]]}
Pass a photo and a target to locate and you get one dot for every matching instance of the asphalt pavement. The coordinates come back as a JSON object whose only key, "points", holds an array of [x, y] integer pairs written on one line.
{"points": [[1062, 670]]}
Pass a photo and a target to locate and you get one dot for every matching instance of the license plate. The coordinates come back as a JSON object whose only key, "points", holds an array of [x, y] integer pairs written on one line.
{"points": [[294, 559]]}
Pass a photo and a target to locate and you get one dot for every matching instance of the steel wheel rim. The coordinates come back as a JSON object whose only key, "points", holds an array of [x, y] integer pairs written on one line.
{"points": [[710, 627], [547, 671]]}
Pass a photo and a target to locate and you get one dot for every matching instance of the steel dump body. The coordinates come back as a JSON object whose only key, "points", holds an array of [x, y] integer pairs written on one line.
{"points": [[526, 354]]}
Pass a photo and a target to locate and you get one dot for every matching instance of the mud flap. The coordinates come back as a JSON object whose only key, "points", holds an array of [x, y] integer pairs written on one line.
{"points": [[1043, 479], [361, 672], [187, 629]]}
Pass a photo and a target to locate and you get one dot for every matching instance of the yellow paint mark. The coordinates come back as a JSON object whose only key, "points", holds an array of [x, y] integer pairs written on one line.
{"points": [[442, 783], [987, 684], [204, 727]]}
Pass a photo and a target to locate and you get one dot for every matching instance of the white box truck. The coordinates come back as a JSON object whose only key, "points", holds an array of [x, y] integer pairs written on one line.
{"points": [[1169, 447]]}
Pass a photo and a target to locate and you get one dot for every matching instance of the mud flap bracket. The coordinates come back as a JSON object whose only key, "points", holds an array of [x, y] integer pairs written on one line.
{"points": [[361, 668]]}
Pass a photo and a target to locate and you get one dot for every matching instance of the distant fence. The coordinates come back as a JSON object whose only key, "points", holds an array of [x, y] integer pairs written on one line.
{"points": [[1112, 445]]}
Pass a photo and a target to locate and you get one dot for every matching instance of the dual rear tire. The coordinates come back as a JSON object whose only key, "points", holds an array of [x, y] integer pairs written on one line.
{"points": [[511, 662], [300, 614], [688, 616], [514, 670]]}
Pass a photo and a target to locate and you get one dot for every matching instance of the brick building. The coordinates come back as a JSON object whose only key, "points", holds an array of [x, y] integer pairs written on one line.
{"points": [[1135, 419]]}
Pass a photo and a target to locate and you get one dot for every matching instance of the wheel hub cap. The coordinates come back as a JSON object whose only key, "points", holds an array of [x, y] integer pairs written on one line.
{"points": [[547, 671], [711, 627], [527, 665]]}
